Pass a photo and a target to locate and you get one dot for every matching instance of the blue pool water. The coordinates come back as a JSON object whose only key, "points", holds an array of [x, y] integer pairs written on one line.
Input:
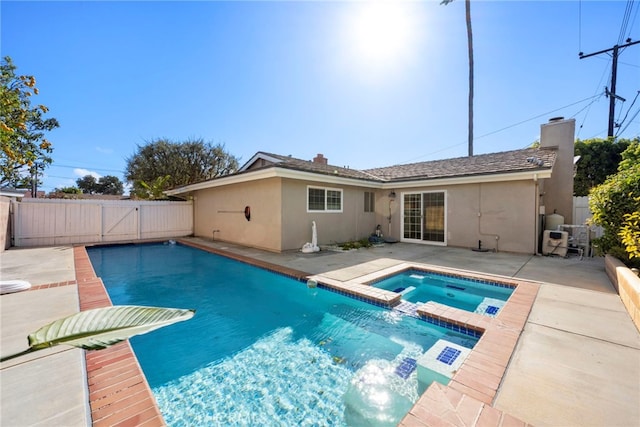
{"points": [[420, 286], [264, 349]]}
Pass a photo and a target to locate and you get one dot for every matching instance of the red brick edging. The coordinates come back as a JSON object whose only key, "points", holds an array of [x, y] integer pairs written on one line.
{"points": [[119, 394]]}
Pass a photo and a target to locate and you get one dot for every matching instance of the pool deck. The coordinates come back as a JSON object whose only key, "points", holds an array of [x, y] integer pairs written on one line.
{"points": [[574, 360]]}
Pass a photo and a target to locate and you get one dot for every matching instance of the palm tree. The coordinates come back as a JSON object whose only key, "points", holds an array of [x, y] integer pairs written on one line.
{"points": [[467, 4]]}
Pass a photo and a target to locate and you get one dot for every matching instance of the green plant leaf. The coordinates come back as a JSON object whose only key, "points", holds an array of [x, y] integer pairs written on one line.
{"points": [[102, 327]]}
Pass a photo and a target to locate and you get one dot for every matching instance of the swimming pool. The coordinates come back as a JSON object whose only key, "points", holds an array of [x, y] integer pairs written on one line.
{"points": [[265, 349], [476, 296]]}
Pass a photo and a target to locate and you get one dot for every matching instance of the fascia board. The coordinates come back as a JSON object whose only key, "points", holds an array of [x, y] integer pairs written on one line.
{"points": [[473, 179], [276, 172]]}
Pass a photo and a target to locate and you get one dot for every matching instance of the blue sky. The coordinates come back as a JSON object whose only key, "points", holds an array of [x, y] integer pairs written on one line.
{"points": [[364, 84]]}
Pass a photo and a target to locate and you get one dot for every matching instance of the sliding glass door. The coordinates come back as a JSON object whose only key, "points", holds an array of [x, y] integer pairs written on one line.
{"points": [[423, 217]]}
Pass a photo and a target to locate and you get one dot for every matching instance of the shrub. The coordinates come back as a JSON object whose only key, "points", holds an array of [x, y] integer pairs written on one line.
{"points": [[616, 205]]}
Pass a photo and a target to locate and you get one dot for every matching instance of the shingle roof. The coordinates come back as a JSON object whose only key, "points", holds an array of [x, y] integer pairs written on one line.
{"points": [[484, 164], [289, 162]]}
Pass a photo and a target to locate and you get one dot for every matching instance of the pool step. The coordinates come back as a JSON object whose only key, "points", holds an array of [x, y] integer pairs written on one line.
{"points": [[408, 308]]}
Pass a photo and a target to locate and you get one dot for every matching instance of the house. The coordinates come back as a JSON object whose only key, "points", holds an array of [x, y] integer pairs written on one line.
{"points": [[499, 199]]}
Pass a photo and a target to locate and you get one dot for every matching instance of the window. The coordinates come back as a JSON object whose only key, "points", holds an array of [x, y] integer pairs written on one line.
{"points": [[369, 201], [324, 199]]}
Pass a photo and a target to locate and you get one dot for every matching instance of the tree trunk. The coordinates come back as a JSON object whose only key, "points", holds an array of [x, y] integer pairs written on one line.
{"points": [[470, 51]]}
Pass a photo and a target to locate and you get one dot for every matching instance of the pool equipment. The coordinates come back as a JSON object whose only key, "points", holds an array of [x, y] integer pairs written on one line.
{"points": [[555, 243]]}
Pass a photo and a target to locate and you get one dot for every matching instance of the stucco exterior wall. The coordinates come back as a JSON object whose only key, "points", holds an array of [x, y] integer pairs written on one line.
{"points": [[5, 232], [352, 224], [222, 209], [501, 215]]}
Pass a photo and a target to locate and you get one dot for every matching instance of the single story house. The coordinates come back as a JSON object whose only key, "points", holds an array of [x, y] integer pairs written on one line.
{"points": [[499, 199]]}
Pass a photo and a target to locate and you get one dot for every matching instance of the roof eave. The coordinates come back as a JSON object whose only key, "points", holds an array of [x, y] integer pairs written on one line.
{"points": [[278, 172], [274, 172], [533, 174]]}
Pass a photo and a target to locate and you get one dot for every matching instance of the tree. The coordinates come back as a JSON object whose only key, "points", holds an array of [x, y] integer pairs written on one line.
{"points": [[67, 190], [24, 147], [108, 184], [88, 184], [615, 205], [599, 158], [183, 162], [467, 10]]}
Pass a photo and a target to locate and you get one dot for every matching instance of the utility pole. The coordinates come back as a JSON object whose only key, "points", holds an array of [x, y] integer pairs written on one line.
{"points": [[614, 72], [34, 180]]}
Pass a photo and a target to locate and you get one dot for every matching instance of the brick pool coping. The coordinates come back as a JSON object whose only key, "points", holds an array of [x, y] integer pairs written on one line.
{"points": [[120, 395]]}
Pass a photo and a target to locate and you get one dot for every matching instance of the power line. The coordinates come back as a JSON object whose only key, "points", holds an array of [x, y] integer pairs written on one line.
{"points": [[538, 116], [506, 127], [630, 121], [620, 123], [625, 21], [614, 73], [85, 167]]}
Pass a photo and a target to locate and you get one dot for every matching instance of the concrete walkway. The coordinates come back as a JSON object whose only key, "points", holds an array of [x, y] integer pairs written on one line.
{"points": [[47, 387], [576, 363]]}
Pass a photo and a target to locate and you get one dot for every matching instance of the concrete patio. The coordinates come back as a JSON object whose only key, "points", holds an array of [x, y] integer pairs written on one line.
{"points": [[577, 361]]}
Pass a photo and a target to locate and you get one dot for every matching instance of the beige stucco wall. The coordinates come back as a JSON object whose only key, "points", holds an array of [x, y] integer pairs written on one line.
{"points": [[501, 215], [222, 208], [352, 224], [5, 237]]}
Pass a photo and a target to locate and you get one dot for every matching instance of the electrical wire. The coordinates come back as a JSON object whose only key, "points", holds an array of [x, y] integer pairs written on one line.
{"points": [[621, 122], [537, 117], [84, 167], [504, 128], [604, 72], [630, 121], [588, 106], [633, 22], [580, 26], [625, 21]]}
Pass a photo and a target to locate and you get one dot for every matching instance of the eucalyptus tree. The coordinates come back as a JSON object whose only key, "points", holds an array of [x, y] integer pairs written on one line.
{"points": [[467, 8]]}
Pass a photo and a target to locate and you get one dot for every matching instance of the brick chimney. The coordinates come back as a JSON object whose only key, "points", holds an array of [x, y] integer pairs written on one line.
{"points": [[320, 159]]}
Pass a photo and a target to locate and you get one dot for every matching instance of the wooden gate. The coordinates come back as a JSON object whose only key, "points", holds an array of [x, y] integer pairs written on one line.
{"points": [[47, 222]]}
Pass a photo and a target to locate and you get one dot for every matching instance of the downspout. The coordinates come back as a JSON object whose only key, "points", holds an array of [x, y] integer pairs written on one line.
{"points": [[480, 233]]}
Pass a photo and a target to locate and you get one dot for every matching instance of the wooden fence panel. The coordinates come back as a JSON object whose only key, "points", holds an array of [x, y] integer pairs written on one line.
{"points": [[47, 222], [581, 210]]}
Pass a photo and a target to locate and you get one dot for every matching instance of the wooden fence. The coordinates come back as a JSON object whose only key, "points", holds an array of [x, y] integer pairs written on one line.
{"points": [[47, 222]]}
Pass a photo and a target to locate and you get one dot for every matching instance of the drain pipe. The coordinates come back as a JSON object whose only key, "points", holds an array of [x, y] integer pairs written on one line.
{"points": [[480, 233]]}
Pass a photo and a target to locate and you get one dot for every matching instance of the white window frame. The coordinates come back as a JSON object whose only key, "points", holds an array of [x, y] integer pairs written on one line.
{"points": [[325, 189]]}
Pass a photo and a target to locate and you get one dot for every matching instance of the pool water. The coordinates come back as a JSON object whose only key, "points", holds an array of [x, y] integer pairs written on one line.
{"points": [[264, 349], [418, 286]]}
